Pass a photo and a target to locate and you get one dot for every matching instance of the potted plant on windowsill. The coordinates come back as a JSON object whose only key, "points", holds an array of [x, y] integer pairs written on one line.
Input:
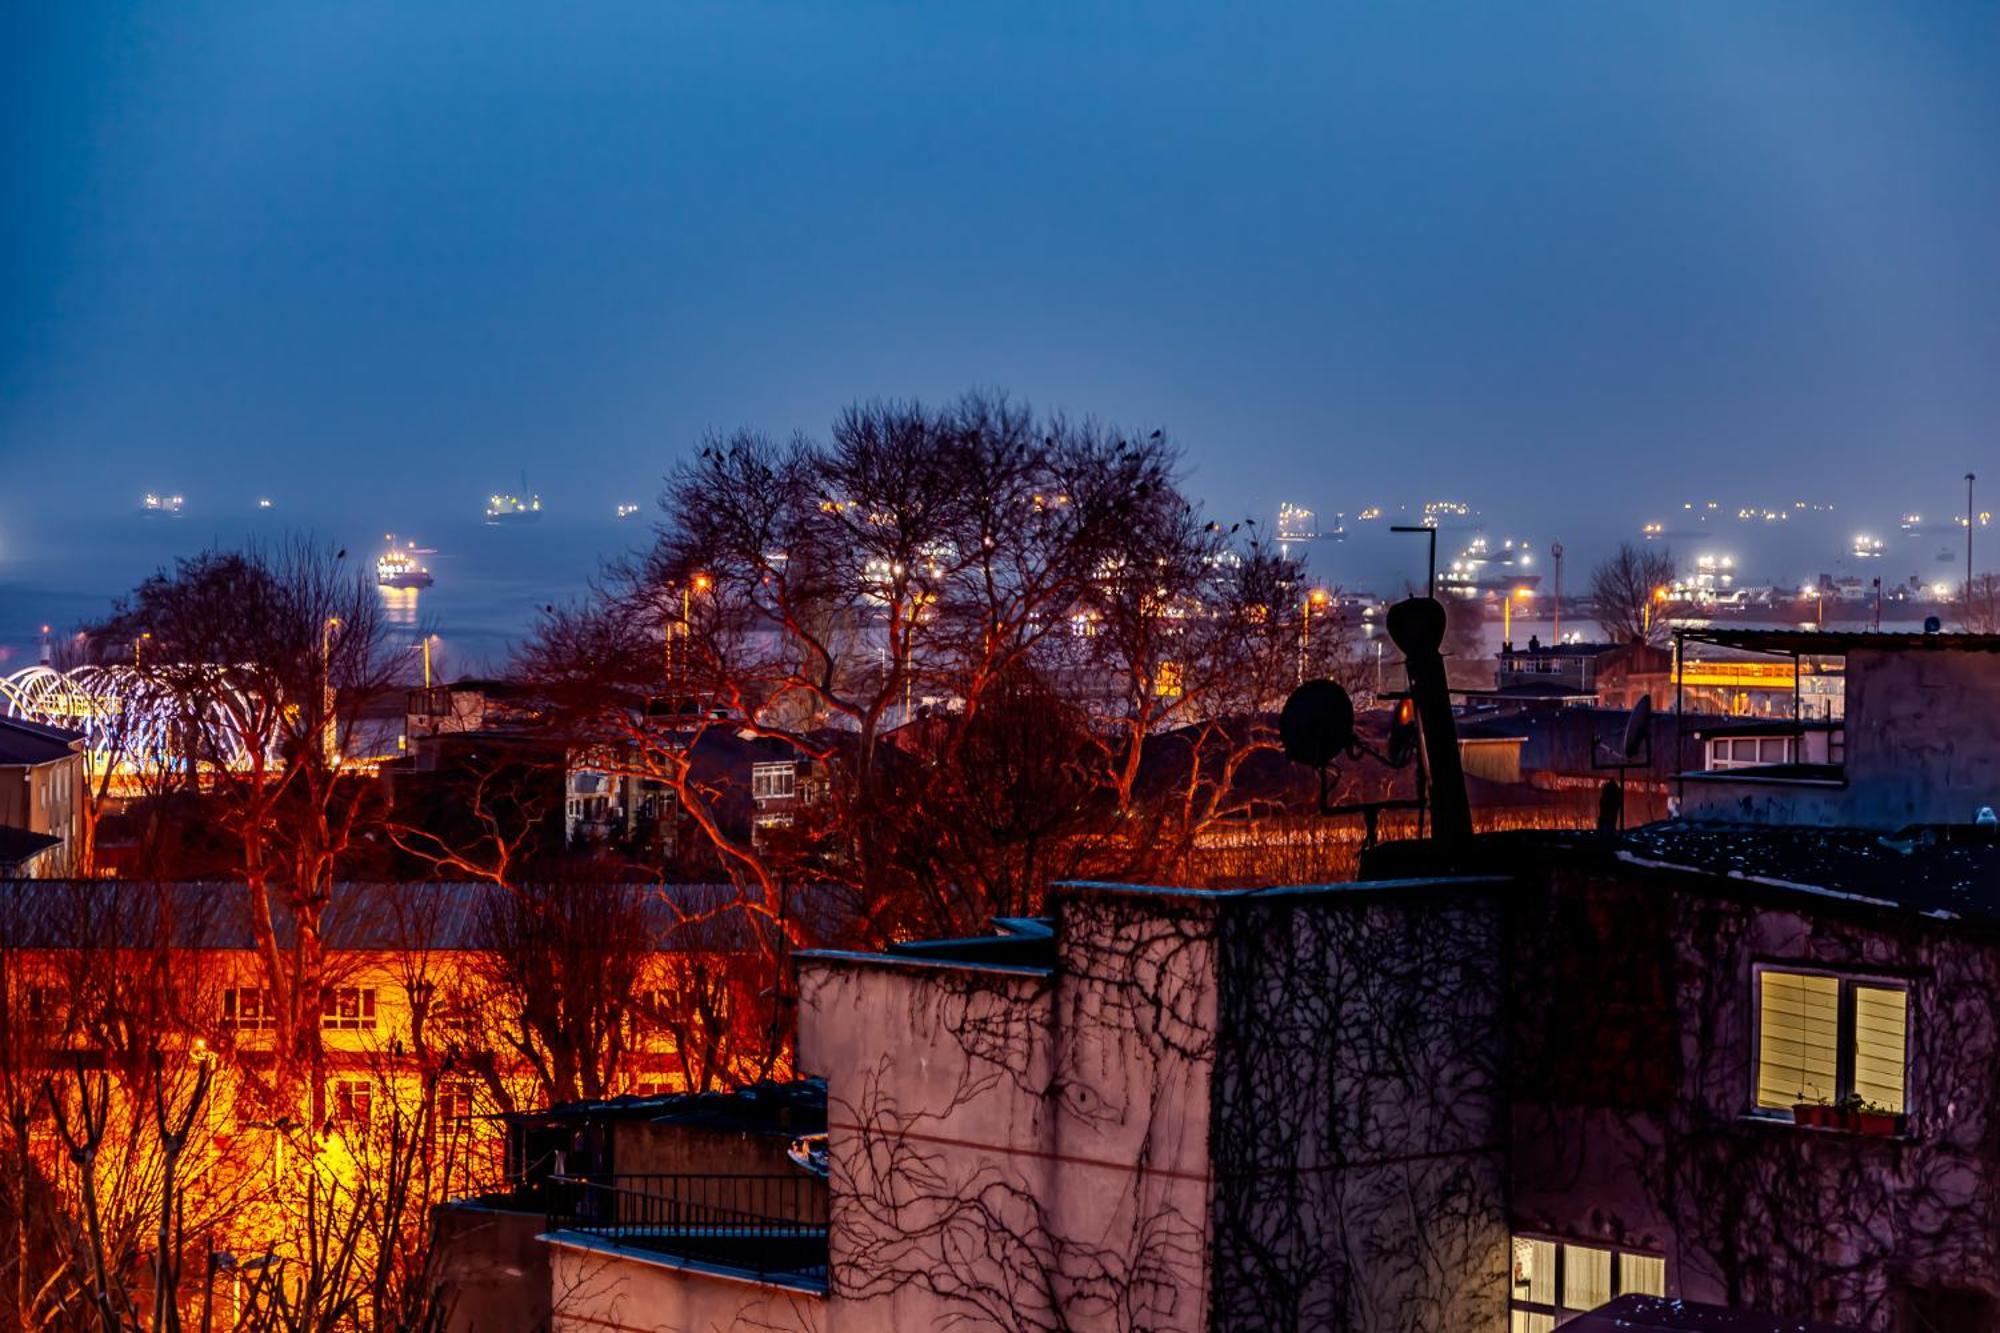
{"points": [[1846, 1113], [1877, 1121], [1811, 1114]]}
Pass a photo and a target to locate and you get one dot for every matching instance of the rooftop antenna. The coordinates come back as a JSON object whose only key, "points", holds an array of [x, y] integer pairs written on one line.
{"points": [[1968, 548], [1556, 551], [1635, 750], [1317, 728]]}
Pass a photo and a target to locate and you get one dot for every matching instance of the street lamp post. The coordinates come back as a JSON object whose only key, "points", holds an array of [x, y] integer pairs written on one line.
{"points": [[1507, 614], [1429, 530], [1659, 596], [1317, 597]]}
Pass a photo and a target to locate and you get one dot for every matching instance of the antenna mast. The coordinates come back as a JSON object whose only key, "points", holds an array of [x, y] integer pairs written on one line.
{"points": [[1556, 551]]}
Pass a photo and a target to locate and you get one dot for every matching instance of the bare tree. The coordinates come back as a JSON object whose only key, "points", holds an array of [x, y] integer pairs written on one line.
{"points": [[1982, 605], [272, 658], [865, 600], [1632, 594]]}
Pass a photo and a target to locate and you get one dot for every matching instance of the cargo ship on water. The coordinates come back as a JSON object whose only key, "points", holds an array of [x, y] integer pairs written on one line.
{"points": [[1482, 568], [162, 506], [398, 567], [523, 508]]}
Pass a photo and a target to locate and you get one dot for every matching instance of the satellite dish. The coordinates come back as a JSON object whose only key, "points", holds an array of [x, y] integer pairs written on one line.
{"points": [[1317, 724], [1637, 725]]}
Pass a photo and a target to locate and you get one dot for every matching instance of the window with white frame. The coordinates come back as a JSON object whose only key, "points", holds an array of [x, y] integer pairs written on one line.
{"points": [[350, 1101], [349, 1008], [1727, 752], [1823, 1037], [773, 781], [1553, 1281], [248, 1008]]}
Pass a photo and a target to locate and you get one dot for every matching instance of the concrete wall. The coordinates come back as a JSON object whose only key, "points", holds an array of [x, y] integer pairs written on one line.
{"points": [[1018, 1149], [1359, 1138], [1922, 747], [1632, 1121], [595, 1289], [493, 1270], [1923, 736], [935, 1102]]}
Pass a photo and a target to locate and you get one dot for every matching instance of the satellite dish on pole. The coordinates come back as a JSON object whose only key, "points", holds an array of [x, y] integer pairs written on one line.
{"points": [[1638, 725], [1317, 724]]}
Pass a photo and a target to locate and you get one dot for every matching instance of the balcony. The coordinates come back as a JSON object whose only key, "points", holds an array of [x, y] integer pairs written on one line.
{"points": [[770, 1227]]}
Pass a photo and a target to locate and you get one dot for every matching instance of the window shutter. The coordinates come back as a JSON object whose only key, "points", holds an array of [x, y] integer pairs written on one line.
{"points": [[1799, 1038], [1881, 1017]]}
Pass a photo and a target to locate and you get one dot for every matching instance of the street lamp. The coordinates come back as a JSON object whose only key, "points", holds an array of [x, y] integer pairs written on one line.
{"points": [[1659, 597], [1317, 597], [138, 649], [1507, 613]]}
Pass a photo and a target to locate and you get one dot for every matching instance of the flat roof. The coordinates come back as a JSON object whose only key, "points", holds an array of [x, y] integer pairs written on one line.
{"points": [[1947, 872], [1663, 1314], [1807, 642]]}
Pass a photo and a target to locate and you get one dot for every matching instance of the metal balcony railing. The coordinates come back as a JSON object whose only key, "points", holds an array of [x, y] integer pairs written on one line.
{"points": [[768, 1225]]}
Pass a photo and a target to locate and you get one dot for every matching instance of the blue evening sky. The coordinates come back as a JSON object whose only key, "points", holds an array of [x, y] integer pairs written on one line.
{"points": [[1552, 257]]}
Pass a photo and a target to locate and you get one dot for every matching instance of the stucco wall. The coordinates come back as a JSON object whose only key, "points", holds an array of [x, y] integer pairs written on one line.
{"points": [[600, 1289], [1023, 1150]]}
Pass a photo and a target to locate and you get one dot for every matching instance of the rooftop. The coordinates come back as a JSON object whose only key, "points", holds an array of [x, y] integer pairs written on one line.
{"points": [[17, 845], [362, 915], [24, 742], [1661, 1314], [1809, 642], [1949, 872], [788, 1109]]}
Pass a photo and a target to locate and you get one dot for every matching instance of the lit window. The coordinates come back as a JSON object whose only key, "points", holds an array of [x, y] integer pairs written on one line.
{"points": [[248, 1008], [352, 1102], [1824, 1039], [1644, 1274], [1586, 1276], [454, 1099], [350, 1008], [43, 1006]]}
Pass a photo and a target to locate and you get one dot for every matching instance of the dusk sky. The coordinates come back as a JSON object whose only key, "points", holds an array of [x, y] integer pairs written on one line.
{"points": [[1341, 252]]}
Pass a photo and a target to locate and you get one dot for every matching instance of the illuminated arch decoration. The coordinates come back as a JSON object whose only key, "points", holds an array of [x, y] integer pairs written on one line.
{"points": [[127, 718]]}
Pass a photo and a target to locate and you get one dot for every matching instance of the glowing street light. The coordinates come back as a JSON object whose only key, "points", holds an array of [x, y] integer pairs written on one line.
{"points": [[1507, 612], [1659, 598], [1317, 597]]}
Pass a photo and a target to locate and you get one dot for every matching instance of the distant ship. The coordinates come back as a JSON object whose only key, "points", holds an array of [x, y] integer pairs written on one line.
{"points": [[161, 506], [1482, 568], [513, 508], [398, 567], [627, 510]]}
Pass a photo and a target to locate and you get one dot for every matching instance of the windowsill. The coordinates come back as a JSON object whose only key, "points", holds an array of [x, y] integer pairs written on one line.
{"points": [[1786, 1122], [1774, 775]]}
